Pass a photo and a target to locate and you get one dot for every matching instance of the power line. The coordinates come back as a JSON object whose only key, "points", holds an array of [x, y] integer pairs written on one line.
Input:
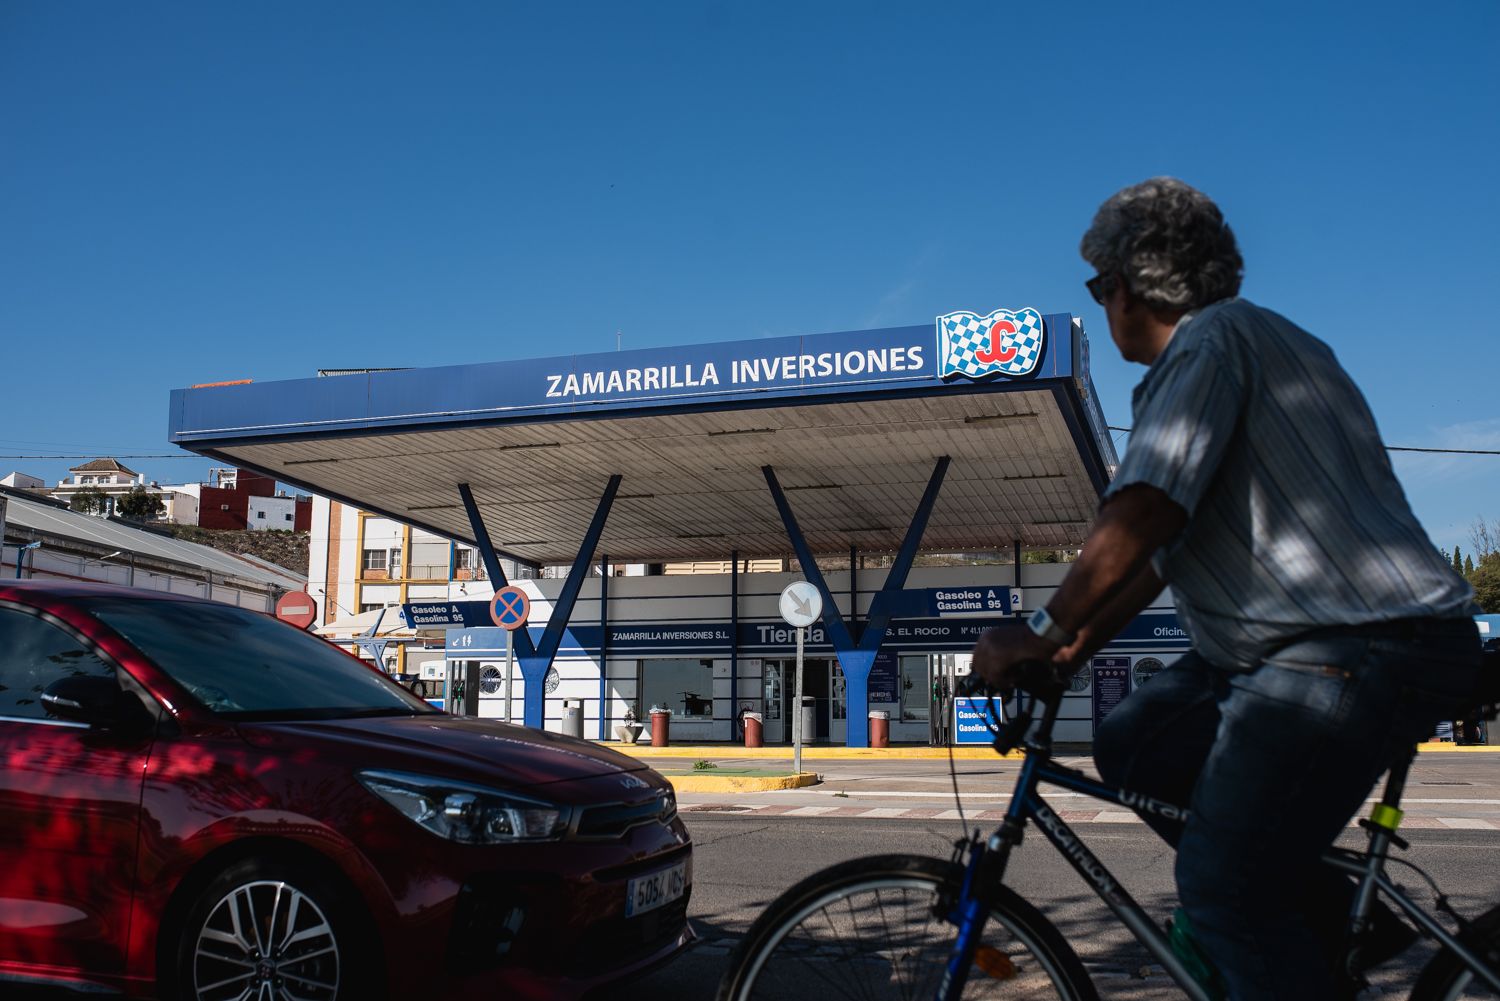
{"points": [[1405, 448], [114, 455]]}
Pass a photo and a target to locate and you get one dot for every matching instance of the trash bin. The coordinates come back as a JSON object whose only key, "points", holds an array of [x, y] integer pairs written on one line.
{"points": [[880, 728], [809, 719], [661, 724], [572, 721], [753, 729]]}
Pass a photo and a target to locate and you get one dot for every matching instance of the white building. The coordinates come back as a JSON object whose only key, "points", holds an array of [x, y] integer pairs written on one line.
{"points": [[22, 481], [268, 514]]}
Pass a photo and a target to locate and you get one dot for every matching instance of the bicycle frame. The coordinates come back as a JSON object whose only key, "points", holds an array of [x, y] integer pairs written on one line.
{"points": [[986, 867]]}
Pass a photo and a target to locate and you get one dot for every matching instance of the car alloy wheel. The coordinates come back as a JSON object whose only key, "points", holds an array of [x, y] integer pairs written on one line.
{"points": [[266, 940]]}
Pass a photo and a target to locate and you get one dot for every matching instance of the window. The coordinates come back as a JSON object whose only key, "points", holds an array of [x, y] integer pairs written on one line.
{"points": [[260, 515], [916, 690], [395, 559], [684, 686], [286, 517], [37, 653], [463, 559], [370, 606], [374, 559], [247, 665]]}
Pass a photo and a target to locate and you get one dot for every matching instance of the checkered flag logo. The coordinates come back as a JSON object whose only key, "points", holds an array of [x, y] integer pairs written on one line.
{"points": [[1006, 342]]}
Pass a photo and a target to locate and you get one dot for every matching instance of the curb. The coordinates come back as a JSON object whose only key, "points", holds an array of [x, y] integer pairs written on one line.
{"points": [[977, 753], [1444, 747], [741, 783]]}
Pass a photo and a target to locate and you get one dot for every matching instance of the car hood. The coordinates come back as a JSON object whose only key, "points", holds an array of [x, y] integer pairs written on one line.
{"points": [[482, 750]]}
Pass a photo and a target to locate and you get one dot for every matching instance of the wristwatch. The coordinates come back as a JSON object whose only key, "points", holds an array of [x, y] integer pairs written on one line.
{"points": [[1043, 625]]}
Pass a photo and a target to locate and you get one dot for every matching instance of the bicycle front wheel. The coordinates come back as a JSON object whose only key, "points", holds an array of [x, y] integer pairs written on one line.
{"points": [[872, 929]]}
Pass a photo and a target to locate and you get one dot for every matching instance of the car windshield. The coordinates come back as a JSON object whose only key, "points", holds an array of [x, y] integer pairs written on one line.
{"points": [[246, 665]]}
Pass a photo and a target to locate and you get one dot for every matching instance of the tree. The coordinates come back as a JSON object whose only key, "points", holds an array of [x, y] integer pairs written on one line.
{"points": [[1486, 580], [1485, 536], [89, 500], [1458, 561], [140, 505], [1468, 566]]}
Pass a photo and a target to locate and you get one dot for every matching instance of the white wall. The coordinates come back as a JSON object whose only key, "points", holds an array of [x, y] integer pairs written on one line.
{"points": [[271, 514]]}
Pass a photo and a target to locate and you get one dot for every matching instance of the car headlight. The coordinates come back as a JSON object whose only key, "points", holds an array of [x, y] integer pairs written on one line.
{"points": [[466, 813]]}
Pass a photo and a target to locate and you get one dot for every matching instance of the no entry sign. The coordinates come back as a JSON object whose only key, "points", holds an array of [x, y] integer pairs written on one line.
{"points": [[510, 608], [296, 608]]}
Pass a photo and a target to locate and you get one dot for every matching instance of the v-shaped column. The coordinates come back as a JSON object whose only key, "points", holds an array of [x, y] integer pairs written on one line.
{"points": [[537, 658], [856, 658]]}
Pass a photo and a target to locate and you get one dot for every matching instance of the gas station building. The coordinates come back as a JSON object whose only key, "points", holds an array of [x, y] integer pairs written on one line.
{"points": [[976, 434]]}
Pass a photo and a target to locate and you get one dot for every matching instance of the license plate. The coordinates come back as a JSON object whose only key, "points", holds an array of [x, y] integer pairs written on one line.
{"points": [[647, 893]]}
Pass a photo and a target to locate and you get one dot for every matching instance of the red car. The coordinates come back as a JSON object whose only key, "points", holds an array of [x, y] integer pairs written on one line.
{"points": [[198, 801]]}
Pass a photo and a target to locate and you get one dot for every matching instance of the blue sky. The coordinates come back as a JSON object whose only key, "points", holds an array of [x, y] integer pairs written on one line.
{"points": [[196, 192]]}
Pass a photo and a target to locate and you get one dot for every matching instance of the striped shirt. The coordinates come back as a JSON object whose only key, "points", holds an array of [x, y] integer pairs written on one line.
{"points": [[1295, 519]]}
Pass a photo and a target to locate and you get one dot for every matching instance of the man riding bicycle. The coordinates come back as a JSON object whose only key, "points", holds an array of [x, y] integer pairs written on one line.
{"points": [[1328, 632]]}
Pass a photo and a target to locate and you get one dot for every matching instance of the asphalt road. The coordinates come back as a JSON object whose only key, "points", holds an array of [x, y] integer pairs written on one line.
{"points": [[741, 863]]}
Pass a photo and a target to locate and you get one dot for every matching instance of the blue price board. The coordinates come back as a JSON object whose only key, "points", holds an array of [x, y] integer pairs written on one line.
{"points": [[969, 720]]}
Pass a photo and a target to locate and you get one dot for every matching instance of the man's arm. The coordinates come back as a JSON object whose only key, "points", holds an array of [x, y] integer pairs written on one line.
{"points": [[1111, 581], [1108, 622]]}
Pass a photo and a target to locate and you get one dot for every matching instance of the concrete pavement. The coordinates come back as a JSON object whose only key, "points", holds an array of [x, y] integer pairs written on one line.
{"points": [[1444, 792]]}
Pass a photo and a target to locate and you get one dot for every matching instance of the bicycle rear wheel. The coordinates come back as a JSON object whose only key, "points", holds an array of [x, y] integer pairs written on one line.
{"points": [[869, 929], [1446, 978]]}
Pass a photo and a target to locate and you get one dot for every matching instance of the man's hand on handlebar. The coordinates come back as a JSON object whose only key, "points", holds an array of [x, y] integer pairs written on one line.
{"points": [[1001, 653]]}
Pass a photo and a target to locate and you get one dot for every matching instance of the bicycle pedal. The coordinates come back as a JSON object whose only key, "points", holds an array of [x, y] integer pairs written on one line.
{"points": [[995, 964]]}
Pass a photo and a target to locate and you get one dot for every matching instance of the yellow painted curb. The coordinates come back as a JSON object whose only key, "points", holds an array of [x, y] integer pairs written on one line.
{"points": [[1444, 746], [977, 753], [741, 783]]}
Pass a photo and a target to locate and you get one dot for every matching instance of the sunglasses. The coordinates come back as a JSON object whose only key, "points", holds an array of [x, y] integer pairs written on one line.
{"points": [[1100, 286]]}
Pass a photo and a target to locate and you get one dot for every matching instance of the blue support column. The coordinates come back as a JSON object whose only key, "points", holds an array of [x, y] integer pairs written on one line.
{"points": [[536, 658], [734, 634], [604, 647], [857, 658]]}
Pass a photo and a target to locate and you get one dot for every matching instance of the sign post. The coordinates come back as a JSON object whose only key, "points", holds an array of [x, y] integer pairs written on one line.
{"points": [[510, 608], [801, 605]]}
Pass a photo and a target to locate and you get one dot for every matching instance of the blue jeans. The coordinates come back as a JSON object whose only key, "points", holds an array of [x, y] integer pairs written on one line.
{"points": [[1273, 763]]}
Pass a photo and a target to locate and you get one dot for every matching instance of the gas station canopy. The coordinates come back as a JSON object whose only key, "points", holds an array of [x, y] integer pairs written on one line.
{"points": [[852, 425]]}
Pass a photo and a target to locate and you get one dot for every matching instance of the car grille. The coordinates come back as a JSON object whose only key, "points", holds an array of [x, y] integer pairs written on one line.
{"points": [[615, 819]]}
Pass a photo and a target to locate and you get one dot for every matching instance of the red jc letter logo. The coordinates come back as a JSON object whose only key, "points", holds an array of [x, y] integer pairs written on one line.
{"points": [[994, 352]]}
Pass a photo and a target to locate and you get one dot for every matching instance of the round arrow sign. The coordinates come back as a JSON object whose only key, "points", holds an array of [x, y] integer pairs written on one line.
{"points": [[801, 604]]}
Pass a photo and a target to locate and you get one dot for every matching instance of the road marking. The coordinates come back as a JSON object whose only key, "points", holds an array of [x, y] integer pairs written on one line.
{"points": [[1070, 816]]}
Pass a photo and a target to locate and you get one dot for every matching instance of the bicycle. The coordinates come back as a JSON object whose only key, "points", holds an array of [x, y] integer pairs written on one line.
{"points": [[913, 927]]}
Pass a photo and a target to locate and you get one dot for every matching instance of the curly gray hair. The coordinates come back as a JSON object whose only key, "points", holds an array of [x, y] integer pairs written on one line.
{"points": [[1169, 242]]}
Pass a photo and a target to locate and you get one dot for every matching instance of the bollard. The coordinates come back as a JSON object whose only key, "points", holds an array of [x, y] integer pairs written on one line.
{"points": [[880, 728], [753, 730], [661, 724]]}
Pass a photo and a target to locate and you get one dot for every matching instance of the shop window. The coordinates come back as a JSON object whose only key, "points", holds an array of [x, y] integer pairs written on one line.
{"points": [[684, 686], [916, 690]]}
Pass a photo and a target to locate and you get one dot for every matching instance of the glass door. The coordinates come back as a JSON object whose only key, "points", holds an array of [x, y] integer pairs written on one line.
{"points": [[838, 704], [774, 708]]}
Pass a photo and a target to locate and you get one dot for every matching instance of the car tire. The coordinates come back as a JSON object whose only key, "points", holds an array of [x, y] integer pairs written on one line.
{"points": [[267, 923]]}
